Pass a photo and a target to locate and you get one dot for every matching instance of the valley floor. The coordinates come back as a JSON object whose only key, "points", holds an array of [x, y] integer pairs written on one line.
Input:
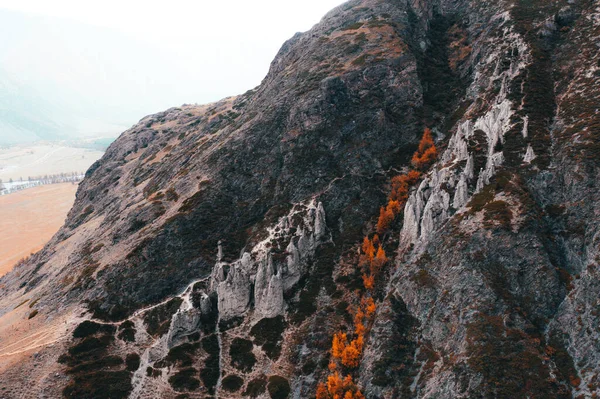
{"points": [[29, 218]]}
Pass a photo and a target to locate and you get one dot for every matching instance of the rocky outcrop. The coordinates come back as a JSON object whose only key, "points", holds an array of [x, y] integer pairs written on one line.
{"points": [[268, 290], [184, 323], [257, 269], [234, 291]]}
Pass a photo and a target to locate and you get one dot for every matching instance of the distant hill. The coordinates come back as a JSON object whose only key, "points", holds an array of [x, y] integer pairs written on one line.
{"points": [[64, 80], [25, 116]]}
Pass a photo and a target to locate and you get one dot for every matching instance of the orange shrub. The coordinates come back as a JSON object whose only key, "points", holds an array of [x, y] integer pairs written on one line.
{"points": [[338, 345], [368, 253], [427, 153], [413, 176], [335, 385], [399, 188], [368, 248], [322, 392], [336, 388], [351, 356], [369, 305], [379, 261], [426, 141], [332, 366], [393, 207], [386, 216], [359, 316], [376, 241]]}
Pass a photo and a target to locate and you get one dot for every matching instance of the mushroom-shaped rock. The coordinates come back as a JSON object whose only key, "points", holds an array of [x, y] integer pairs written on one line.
{"points": [[268, 290], [220, 251], [461, 195], [529, 155], [306, 243], [320, 224], [234, 292], [293, 268], [218, 272], [524, 132], [410, 229], [470, 168]]}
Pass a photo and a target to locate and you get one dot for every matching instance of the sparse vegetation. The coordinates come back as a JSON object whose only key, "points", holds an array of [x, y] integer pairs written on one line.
{"points": [[132, 361], [267, 333], [256, 387], [88, 328], [241, 354], [210, 373], [278, 387], [185, 380], [353, 26], [158, 320], [127, 331], [172, 195], [232, 383]]}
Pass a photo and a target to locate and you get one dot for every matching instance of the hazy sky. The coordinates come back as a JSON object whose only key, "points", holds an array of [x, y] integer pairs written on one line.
{"points": [[229, 42], [130, 58]]}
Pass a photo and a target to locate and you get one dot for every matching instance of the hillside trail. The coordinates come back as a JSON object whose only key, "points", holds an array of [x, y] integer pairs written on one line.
{"points": [[48, 335], [55, 334], [185, 295]]}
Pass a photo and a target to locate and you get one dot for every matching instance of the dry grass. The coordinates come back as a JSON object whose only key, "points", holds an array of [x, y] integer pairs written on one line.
{"points": [[29, 218]]}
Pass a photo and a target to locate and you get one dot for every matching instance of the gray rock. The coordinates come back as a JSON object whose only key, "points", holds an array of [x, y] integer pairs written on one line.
{"points": [[268, 290]]}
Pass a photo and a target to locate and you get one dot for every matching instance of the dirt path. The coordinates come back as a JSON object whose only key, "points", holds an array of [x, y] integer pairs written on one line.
{"points": [[20, 335]]}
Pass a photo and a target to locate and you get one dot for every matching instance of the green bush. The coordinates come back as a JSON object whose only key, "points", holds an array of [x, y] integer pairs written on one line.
{"points": [[279, 387], [256, 387], [232, 383], [241, 354]]}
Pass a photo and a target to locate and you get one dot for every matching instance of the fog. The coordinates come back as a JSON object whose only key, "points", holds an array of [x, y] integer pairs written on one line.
{"points": [[75, 69]]}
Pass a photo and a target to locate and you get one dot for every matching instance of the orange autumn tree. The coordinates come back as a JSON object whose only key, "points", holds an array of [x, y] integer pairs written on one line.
{"points": [[368, 251], [338, 388], [386, 216], [401, 185], [340, 340], [347, 348], [379, 261], [348, 354], [369, 306], [426, 153], [371, 262]]}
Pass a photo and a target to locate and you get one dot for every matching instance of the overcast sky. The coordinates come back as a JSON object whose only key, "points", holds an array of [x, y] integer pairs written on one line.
{"points": [[140, 57]]}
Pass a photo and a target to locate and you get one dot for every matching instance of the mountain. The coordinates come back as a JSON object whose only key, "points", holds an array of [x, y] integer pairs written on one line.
{"points": [[229, 249], [24, 115], [63, 80]]}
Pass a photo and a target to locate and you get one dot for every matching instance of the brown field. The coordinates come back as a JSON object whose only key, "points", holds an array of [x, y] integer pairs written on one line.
{"points": [[29, 218]]}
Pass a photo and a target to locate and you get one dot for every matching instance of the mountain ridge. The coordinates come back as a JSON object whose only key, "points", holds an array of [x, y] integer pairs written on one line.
{"points": [[237, 225]]}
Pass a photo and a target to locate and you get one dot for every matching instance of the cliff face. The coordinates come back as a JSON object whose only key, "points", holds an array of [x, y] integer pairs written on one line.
{"points": [[213, 249]]}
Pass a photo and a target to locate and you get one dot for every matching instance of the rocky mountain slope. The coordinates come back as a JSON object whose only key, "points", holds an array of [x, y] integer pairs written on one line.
{"points": [[215, 250]]}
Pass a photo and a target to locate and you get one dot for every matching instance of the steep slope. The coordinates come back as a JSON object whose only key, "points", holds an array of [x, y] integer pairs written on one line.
{"points": [[216, 247]]}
